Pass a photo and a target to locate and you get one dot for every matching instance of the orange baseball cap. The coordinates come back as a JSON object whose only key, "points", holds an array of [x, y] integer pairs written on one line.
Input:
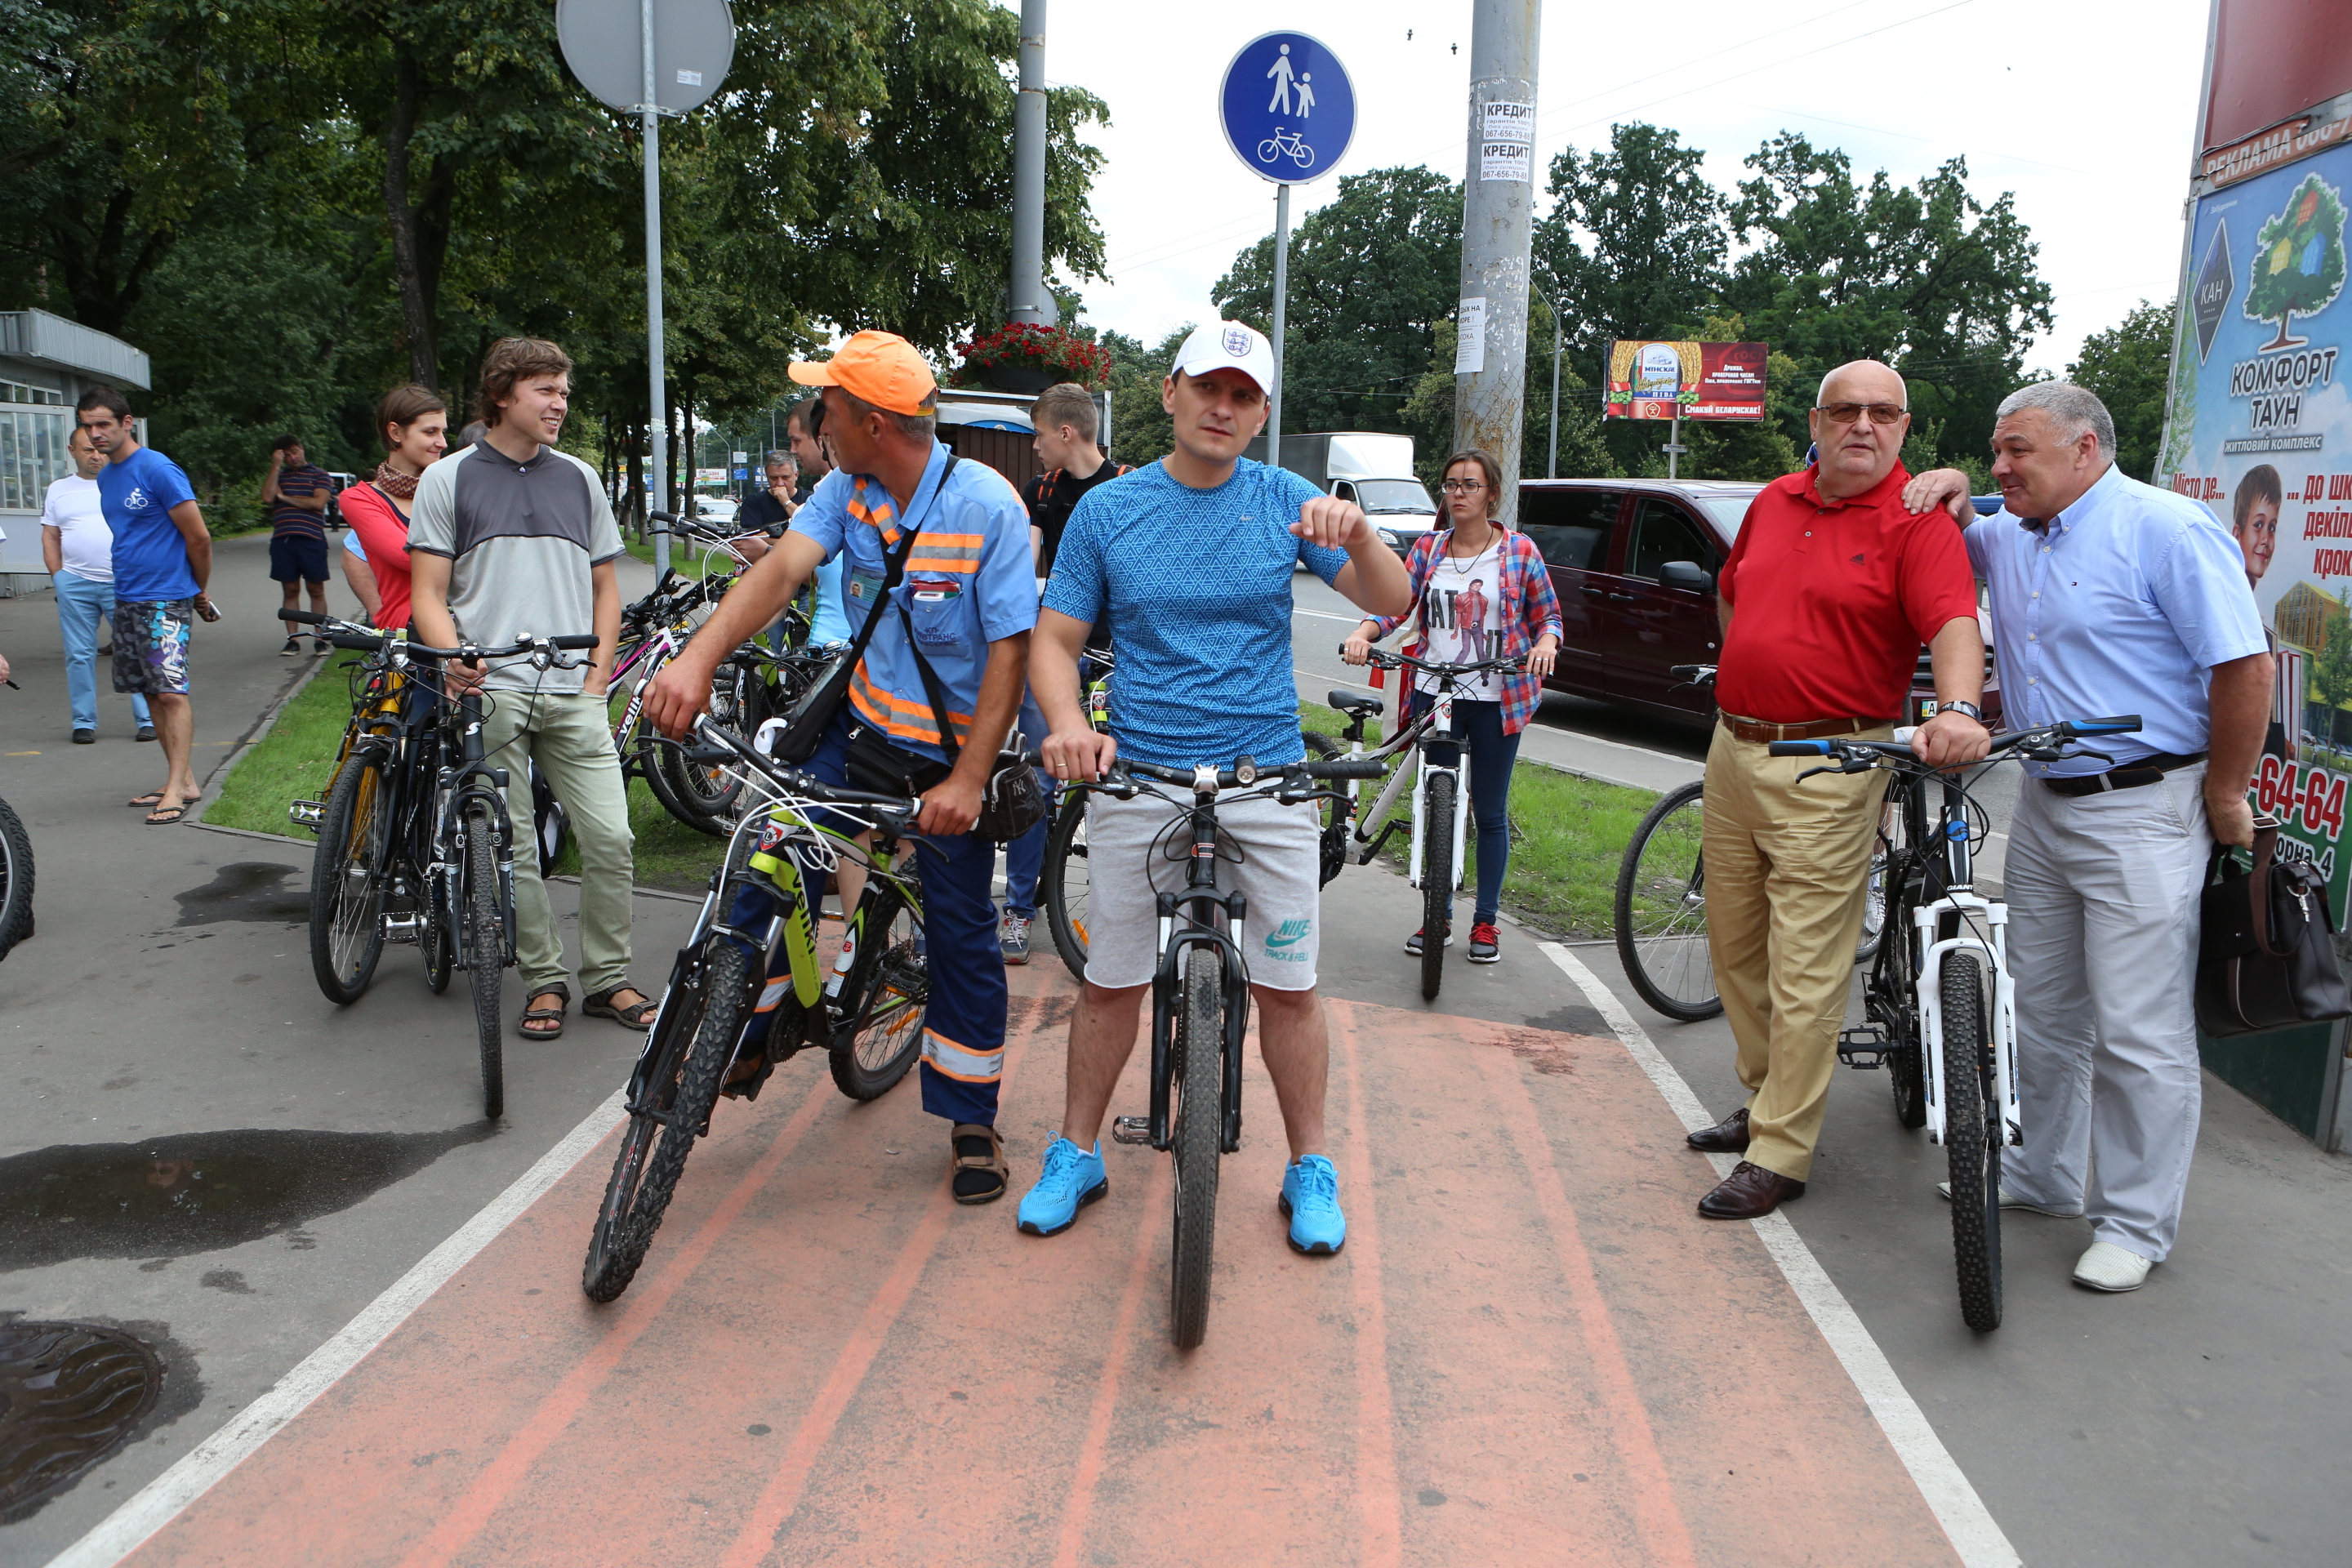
{"points": [[882, 368]]}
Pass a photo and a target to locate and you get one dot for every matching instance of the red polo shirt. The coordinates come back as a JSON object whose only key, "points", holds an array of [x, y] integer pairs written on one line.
{"points": [[1832, 599]]}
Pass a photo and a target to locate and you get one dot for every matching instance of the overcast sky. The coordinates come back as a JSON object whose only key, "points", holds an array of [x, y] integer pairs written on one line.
{"points": [[2083, 107]]}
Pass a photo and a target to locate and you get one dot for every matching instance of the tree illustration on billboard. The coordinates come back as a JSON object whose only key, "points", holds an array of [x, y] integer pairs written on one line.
{"points": [[2298, 260]]}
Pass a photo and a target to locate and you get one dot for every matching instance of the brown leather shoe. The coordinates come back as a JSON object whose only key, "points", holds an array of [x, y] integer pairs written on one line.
{"points": [[1750, 1192], [1728, 1136]]}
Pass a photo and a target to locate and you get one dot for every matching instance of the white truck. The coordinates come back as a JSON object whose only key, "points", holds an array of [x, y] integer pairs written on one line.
{"points": [[1372, 468]]}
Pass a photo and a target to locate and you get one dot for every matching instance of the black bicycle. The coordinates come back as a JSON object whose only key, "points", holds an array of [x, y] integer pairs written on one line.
{"points": [[1064, 886], [1200, 1000], [415, 843], [16, 880], [1938, 1003]]}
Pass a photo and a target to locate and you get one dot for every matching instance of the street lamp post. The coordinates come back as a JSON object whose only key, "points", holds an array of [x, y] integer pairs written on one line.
{"points": [[1551, 466]]}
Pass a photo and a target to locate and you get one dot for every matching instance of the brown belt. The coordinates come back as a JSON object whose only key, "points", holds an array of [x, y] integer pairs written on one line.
{"points": [[1813, 730]]}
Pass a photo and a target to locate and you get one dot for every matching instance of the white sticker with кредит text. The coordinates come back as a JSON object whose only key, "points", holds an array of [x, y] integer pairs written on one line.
{"points": [[1506, 148]]}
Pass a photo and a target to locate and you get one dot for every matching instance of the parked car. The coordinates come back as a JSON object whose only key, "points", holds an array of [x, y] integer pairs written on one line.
{"points": [[1634, 564], [718, 510]]}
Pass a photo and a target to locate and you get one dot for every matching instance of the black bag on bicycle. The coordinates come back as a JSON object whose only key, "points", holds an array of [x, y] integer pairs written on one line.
{"points": [[805, 725], [1012, 802], [2266, 956]]}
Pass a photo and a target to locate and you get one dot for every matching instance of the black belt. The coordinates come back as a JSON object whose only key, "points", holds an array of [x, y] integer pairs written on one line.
{"points": [[2146, 770]]}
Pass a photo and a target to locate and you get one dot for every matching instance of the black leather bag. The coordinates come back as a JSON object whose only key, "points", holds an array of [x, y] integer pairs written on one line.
{"points": [[804, 726], [1013, 801], [2266, 955]]}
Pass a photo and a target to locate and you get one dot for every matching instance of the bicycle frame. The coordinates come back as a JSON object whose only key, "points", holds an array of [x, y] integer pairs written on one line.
{"points": [[1202, 906], [1442, 753], [473, 778], [1968, 909]]}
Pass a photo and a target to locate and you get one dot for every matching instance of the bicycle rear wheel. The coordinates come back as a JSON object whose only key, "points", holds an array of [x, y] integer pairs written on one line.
{"points": [[485, 941], [1662, 909], [16, 880], [1437, 881], [1066, 884], [1972, 1141], [1198, 1118], [692, 1043], [892, 984], [347, 877]]}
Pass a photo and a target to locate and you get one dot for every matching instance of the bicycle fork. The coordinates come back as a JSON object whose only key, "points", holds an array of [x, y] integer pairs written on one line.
{"points": [[1170, 984], [1993, 949]]}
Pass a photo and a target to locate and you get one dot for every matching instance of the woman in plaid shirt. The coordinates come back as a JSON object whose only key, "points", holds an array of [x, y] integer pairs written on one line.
{"points": [[1481, 590]]}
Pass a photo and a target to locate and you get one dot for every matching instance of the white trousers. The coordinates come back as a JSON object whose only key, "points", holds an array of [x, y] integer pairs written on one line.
{"points": [[2103, 897]]}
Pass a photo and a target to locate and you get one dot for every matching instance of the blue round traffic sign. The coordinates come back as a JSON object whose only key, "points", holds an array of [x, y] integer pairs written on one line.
{"points": [[1287, 108]]}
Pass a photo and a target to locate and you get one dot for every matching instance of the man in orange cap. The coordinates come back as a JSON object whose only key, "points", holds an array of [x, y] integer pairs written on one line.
{"points": [[939, 550]]}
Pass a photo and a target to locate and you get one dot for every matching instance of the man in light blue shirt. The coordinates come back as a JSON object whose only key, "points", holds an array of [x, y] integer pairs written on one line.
{"points": [[2110, 596]]}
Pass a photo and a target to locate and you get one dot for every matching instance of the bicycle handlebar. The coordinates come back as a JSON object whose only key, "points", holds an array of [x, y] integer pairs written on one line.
{"points": [[1380, 658], [2065, 729], [719, 737], [357, 638], [1121, 781]]}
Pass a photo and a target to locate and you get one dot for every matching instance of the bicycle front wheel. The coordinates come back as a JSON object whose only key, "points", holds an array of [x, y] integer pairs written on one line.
{"points": [[1199, 1118], [16, 880], [1065, 888], [1662, 909], [693, 1040], [486, 938], [1437, 881], [892, 986], [1972, 1140], [347, 877]]}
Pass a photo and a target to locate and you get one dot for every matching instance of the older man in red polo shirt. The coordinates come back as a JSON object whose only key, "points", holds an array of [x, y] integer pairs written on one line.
{"points": [[1830, 591]]}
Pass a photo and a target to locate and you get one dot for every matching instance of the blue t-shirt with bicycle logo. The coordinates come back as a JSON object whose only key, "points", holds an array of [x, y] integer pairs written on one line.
{"points": [[1196, 586]]}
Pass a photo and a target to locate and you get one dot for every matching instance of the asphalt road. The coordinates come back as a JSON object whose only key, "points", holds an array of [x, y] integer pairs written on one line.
{"points": [[165, 1018]]}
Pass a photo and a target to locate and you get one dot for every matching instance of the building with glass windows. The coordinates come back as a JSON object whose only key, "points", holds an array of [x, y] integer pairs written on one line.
{"points": [[46, 361]]}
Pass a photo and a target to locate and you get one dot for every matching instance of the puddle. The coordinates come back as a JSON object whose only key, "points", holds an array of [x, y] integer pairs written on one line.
{"points": [[197, 1192], [70, 1394], [257, 890]]}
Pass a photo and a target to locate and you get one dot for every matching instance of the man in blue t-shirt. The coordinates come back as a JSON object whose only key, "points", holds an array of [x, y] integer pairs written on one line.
{"points": [[1190, 559], [163, 558], [964, 607]]}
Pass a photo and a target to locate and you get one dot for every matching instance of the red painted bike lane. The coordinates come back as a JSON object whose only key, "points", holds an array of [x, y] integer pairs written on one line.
{"points": [[1532, 1349]]}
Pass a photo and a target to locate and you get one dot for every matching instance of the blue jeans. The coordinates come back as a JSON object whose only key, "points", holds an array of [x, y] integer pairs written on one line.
{"points": [[1480, 727], [83, 606]]}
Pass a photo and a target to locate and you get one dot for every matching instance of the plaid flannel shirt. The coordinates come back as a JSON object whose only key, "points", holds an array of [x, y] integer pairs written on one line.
{"points": [[1529, 608]]}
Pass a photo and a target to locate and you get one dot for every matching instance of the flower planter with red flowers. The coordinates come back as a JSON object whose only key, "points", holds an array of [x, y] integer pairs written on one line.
{"points": [[1022, 356]]}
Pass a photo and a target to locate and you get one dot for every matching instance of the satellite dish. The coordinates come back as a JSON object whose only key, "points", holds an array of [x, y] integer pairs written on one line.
{"points": [[603, 43]]}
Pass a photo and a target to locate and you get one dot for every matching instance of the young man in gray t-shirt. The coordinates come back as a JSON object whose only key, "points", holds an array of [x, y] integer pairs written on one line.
{"points": [[510, 538]]}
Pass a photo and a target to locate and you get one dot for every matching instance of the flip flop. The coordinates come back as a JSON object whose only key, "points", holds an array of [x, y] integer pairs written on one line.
{"points": [[155, 798], [163, 817]]}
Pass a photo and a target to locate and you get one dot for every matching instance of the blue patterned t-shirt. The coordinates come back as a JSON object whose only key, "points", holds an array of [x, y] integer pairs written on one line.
{"points": [[1196, 584]]}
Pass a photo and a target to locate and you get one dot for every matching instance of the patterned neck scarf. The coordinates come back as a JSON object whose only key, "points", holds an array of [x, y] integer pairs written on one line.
{"points": [[393, 482]]}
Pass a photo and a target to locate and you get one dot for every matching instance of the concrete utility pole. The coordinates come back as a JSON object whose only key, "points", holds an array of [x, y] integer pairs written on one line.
{"points": [[1498, 217], [658, 418], [1028, 298]]}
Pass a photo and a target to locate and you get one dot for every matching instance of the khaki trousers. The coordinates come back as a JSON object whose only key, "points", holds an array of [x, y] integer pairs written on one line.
{"points": [[1785, 868], [570, 740]]}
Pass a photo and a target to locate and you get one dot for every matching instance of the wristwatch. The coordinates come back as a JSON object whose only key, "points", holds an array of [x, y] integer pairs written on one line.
{"points": [[1971, 709]]}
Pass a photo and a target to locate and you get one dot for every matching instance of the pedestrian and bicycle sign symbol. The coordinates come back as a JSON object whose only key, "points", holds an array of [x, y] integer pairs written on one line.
{"points": [[1287, 108]]}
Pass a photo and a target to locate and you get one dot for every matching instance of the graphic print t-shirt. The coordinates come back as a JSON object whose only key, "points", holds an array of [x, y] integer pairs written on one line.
{"points": [[1462, 619], [151, 558]]}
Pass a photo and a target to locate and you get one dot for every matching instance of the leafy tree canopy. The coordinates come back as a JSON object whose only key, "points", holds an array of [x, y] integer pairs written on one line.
{"points": [[2125, 365]]}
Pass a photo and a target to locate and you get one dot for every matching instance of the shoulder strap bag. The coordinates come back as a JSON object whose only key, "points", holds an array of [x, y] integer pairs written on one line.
{"points": [[1013, 801], [2266, 954], [805, 725]]}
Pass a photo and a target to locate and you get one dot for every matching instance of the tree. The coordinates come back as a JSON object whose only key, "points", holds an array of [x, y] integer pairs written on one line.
{"points": [[2127, 365], [1140, 430], [2298, 260], [1372, 273], [1942, 287]]}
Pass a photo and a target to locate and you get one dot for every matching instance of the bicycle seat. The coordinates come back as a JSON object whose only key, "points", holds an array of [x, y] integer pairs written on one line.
{"points": [[1354, 704]]}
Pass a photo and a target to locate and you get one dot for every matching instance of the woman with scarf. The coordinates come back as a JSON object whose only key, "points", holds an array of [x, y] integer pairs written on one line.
{"points": [[414, 425]]}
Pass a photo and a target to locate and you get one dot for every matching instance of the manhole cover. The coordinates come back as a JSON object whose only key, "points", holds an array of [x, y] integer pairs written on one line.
{"points": [[70, 1393]]}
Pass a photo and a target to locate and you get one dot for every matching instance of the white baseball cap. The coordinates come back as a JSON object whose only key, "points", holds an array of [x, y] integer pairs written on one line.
{"points": [[1223, 345]]}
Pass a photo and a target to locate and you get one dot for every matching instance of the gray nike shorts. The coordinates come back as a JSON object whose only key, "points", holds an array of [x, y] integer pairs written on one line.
{"points": [[1135, 848]]}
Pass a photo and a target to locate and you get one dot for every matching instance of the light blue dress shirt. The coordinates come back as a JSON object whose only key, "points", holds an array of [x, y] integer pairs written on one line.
{"points": [[2123, 604]]}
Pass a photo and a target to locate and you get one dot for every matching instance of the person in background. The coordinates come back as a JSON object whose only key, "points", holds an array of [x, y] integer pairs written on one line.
{"points": [[163, 558], [1520, 617], [411, 421], [297, 490], [1066, 421], [768, 509], [771, 511], [801, 427], [471, 436], [2254, 524], [78, 549]]}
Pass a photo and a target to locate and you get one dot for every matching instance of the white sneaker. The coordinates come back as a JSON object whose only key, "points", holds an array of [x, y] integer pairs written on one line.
{"points": [[2106, 1266], [2010, 1200]]}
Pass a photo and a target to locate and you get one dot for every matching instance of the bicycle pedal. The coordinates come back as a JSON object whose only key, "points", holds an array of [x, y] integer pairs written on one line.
{"points": [[1855, 1044], [1130, 1130], [306, 814]]}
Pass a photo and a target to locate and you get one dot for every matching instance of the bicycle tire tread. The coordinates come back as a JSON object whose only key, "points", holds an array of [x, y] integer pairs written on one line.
{"points": [[1195, 1145], [1686, 1010], [327, 866], [1974, 1169]]}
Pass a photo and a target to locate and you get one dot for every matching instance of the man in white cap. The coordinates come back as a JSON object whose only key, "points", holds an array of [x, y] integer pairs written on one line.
{"points": [[1190, 559]]}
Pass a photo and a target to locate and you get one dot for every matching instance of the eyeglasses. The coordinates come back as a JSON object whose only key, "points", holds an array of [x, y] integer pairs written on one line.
{"points": [[1463, 487], [1847, 413]]}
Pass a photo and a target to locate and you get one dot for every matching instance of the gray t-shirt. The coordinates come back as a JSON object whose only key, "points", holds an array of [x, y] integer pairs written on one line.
{"points": [[520, 539]]}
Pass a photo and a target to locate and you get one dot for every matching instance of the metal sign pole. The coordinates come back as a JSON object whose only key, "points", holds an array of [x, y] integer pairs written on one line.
{"points": [[658, 421], [1674, 441], [1281, 311]]}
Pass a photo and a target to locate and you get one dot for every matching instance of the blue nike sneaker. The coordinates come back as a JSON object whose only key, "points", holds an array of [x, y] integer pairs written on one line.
{"points": [[1071, 1179], [1310, 1196]]}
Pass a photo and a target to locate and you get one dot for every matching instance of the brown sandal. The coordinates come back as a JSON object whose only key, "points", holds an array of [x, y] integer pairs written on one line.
{"points": [[542, 1015], [977, 1151], [637, 1014]]}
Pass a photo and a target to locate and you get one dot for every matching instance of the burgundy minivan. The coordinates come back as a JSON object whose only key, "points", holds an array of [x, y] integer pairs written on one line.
{"points": [[1634, 564]]}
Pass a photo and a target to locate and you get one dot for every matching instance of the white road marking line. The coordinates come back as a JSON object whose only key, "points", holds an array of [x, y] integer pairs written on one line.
{"points": [[1326, 616], [1577, 736], [156, 1504], [1966, 1520]]}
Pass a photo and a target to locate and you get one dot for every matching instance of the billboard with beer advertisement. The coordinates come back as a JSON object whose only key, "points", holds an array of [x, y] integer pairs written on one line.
{"points": [[1663, 378]]}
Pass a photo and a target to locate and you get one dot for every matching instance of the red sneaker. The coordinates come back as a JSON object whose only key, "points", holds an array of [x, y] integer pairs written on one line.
{"points": [[1486, 943]]}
